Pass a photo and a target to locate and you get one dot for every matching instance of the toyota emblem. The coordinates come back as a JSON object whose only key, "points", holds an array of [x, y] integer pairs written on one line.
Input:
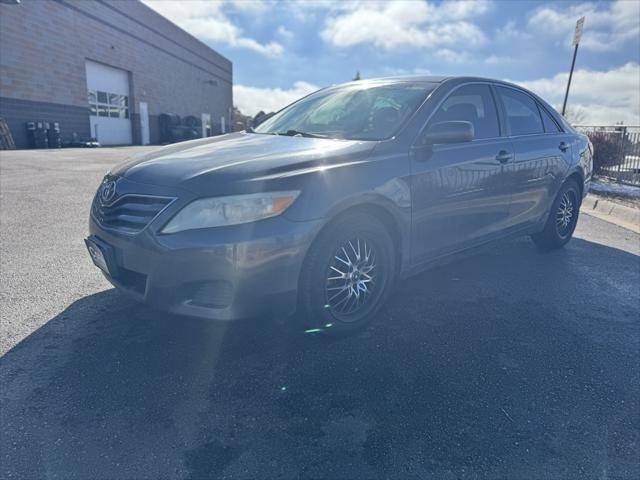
{"points": [[108, 191]]}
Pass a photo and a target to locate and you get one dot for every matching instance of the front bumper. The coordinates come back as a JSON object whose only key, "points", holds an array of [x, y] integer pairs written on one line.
{"points": [[222, 273]]}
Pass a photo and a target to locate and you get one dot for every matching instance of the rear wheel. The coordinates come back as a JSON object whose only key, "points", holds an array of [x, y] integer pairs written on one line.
{"points": [[347, 275], [563, 218]]}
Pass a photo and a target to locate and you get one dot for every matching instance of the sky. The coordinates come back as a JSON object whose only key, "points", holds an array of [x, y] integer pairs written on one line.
{"points": [[282, 50]]}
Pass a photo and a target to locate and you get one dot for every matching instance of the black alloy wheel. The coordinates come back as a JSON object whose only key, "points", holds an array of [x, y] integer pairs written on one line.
{"points": [[347, 274]]}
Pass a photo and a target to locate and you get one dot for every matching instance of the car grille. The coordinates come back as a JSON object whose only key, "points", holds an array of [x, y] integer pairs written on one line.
{"points": [[130, 213]]}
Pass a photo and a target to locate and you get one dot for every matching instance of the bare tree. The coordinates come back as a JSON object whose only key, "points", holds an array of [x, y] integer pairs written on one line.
{"points": [[575, 115], [239, 120]]}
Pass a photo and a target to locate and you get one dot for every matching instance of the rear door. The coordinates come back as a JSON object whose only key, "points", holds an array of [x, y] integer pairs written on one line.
{"points": [[542, 154], [460, 192]]}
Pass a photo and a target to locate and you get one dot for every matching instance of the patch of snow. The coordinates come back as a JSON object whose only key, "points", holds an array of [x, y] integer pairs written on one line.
{"points": [[599, 186]]}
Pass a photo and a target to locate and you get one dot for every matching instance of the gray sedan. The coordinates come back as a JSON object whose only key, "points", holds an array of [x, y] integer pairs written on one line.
{"points": [[324, 205]]}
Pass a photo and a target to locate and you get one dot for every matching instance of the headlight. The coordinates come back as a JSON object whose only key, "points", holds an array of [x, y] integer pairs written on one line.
{"points": [[232, 210]]}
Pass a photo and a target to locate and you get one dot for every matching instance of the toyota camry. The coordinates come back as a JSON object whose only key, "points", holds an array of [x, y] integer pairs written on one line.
{"points": [[322, 207]]}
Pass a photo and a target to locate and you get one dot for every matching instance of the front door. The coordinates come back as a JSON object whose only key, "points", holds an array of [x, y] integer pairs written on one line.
{"points": [[460, 192]]}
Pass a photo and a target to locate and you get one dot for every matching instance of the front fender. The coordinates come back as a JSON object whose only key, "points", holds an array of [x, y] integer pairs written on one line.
{"points": [[381, 179], [381, 184]]}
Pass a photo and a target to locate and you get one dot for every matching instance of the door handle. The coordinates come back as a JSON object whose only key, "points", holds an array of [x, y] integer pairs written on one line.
{"points": [[504, 156], [563, 146]]}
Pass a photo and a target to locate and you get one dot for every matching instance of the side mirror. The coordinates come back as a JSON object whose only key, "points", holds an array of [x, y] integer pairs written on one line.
{"points": [[449, 132]]}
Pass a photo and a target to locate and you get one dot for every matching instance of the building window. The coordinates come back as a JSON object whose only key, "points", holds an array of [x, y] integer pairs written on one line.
{"points": [[103, 104]]}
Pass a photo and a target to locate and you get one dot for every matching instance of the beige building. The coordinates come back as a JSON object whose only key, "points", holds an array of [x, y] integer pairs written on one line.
{"points": [[106, 69]]}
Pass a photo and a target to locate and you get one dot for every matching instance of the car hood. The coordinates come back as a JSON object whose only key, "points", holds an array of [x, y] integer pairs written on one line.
{"points": [[239, 157]]}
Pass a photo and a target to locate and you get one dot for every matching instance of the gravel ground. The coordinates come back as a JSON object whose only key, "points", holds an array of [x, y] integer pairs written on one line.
{"points": [[509, 363]]}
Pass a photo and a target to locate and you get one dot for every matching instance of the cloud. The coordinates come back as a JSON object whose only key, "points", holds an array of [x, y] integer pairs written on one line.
{"points": [[250, 100], [607, 26], [451, 56], [395, 72], [249, 6], [511, 32], [406, 23], [606, 97], [285, 33], [499, 60], [206, 21]]}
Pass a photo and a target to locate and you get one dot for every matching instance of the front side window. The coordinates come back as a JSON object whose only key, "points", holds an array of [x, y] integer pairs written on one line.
{"points": [[474, 104], [522, 112], [360, 111]]}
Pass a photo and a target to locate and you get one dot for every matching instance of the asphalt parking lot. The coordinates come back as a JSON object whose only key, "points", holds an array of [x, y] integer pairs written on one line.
{"points": [[510, 363]]}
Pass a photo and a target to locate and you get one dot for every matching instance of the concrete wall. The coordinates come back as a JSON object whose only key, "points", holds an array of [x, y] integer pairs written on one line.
{"points": [[44, 46]]}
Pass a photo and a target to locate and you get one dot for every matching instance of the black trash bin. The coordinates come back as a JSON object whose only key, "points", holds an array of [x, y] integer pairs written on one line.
{"points": [[53, 135], [44, 136], [31, 134], [168, 123], [37, 135]]}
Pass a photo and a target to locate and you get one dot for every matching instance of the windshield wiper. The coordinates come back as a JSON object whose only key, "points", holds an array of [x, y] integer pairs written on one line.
{"points": [[293, 133]]}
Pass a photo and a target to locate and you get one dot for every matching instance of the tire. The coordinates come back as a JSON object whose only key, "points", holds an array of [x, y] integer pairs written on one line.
{"points": [[562, 219], [347, 275]]}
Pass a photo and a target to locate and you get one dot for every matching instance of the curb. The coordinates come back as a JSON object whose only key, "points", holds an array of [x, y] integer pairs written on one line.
{"points": [[621, 215]]}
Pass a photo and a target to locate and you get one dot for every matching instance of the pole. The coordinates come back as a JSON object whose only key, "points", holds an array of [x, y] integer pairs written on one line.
{"points": [[577, 35], [573, 64]]}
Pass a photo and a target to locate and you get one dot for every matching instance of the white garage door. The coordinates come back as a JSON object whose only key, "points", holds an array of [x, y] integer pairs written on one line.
{"points": [[109, 104]]}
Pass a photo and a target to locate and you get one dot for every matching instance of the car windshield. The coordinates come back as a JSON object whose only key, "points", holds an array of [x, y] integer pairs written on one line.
{"points": [[359, 111]]}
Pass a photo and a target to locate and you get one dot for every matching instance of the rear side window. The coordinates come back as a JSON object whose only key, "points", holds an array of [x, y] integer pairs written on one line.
{"points": [[550, 126], [471, 103], [522, 112]]}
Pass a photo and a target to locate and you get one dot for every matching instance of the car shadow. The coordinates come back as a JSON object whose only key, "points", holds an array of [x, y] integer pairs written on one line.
{"points": [[506, 363]]}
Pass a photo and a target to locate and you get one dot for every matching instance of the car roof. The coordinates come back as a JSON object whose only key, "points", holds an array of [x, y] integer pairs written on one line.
{"points": [[453, 80], [436, 79], [457, 80], [408, 78]]}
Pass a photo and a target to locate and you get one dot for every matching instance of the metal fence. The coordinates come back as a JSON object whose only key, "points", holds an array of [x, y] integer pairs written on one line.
{"points": [[616, 152]]}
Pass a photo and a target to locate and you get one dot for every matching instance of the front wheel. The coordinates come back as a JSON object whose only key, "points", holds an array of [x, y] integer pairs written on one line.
{"points": [[347, 275], [562, 220]]}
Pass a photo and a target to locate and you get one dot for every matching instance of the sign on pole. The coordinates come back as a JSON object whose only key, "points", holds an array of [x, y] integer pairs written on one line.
{"points": [[577, 35], [576, 41]]}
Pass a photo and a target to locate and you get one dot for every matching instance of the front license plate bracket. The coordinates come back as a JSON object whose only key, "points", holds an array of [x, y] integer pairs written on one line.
{"points": [[102, 255]]}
